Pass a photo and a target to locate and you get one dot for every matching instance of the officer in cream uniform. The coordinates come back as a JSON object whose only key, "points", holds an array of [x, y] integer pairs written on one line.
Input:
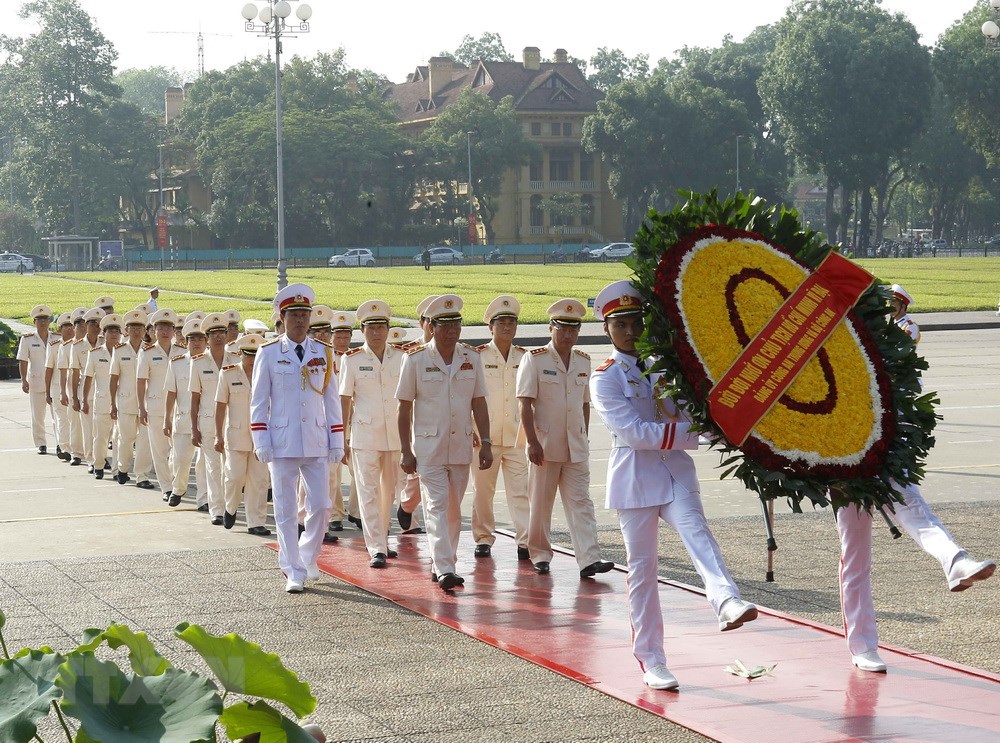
{"points": [[177, 421], [298, 430], [54, 374], [555, 413], [97, 390], [124, 404], [246, 477], [151, 374], [68, 393], [78, 363], [501, 360], [441, 391], [31, 352], [368, 380], [652, 477]]}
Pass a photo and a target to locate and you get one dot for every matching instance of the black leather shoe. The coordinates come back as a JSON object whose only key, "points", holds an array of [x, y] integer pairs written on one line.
{"points": [[542, 568], [405, 519], [302, 530], [392, 554], [166, 496], [270, 495], [58, 451], [203, 508], [90, 469], [76, 462], [107, 464], [330, 538], [175, 499], [145, 485], [259, 531], [99, 474], [414, 530], [336, 526], [434, 577], [228, 519], [448, 581], [523, 554], [216, 521], [483, 550], [378, 561], [601, 566], [43, 450], [65, 456], [354, 520], [124, 478]]}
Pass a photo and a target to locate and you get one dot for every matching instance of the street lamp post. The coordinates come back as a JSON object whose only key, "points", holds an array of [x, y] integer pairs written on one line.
{"points": [[468, 146], [160, 212], [272, 16]]}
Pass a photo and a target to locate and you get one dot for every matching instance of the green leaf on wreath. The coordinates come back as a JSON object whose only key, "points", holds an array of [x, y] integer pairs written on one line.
{"points": [[141, 653], [242, 719], [27, 688], [243, 667], [114, 707]]}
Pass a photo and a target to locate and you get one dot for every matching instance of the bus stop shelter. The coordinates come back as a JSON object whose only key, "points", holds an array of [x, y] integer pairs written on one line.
{"points": [[71, 252]]}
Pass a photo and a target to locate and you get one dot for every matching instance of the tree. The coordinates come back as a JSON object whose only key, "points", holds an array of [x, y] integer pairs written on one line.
{"points": [[17, 230], [611, 67], [563, 209], [498, 144], [488, 47], [848, 84], [144, 88]]}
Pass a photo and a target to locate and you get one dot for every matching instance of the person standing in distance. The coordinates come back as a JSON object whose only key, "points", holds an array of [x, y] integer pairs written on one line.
{"points": [[441, 390], [651, 477], [501, 360], [554, 398], [298, 431]]}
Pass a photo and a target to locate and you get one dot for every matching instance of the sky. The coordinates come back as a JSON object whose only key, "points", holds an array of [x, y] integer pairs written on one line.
{"points": [[392, 37]]}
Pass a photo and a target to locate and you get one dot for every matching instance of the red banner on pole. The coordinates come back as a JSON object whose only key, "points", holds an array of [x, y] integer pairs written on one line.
{"points": [[773, 359], [473, 235], [162, 231]]}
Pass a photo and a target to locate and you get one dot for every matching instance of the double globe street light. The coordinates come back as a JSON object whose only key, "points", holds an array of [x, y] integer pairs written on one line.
{"points": [[272, 19], [991, 29]]}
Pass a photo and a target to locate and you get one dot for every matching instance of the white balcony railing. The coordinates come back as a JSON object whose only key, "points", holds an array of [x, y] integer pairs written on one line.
{"points": [[562, 185]]}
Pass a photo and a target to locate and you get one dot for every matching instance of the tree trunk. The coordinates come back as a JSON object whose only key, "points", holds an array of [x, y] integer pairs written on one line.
{"points": [[866, 221], [831, 224]]}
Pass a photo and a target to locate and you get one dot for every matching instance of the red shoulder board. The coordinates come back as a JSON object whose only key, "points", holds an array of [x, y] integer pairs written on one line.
{"points": [[536, 351], [482, 347], [231, 366], [606, 365], [411, 351], [353, 351], [178, 357]]}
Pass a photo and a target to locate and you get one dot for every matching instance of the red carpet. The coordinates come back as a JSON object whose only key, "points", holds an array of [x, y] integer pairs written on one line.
{"points": [[580, 629]]}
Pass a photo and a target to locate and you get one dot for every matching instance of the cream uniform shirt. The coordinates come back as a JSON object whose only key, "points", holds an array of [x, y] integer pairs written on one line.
{"points": [[501, 393], [204, 380], [234, 392], [124, 364], [177, 380], [78, 360], [372, 385], [153, 363], [98, 366], [559, 394], [33, 349], [442, 402], [52, 362]]}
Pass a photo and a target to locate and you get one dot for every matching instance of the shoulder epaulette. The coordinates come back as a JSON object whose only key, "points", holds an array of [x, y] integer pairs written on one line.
{"points": [[536, 351], [582, 353], [200, 355], [471, 348], [55, 341], [121, 344], [79, 340], [606, 365], [231, 366], [270, 342], [482, 347], [522, 349], [28, 335], [411, 351], [353, 351], [412, 344], [178, 357], [398, 345], [147, 346]]}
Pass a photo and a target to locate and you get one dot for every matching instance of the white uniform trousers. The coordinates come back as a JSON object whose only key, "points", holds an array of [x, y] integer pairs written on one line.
{"points": [[103, 429], [640, 530], [573, 482], [143, 463], [76, 433], [409, 499], [39, 409], [159, 448], [246, 482], [88, 437], [295, 554], [855, 530], [442, 487], [214, 476], [378, 475], [63, 430], [128, 431], [514, 461], [181, 456]]}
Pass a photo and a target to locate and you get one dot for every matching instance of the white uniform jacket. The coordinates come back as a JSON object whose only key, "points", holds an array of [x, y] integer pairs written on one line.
{"points": [[442, 402], [178, 381], [501, 397], [98, 366], [909, 327], [647, 437], [295, 405], [371, 384]]}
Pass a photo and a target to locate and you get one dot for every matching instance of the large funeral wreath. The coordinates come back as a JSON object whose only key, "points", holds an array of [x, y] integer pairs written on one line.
{"points": [[853, 422]]}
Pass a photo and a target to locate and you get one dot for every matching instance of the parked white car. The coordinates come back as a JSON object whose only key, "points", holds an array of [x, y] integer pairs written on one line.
{"points": [[613, 252], [353, 257], [441, 256], [14, 262]]}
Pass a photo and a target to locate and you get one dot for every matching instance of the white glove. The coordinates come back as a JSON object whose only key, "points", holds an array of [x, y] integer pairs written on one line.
{"points": [[336, 455], [265, 455]]}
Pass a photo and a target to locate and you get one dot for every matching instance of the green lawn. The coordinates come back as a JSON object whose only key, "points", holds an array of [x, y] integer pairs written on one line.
{"points": [[936, 285]]}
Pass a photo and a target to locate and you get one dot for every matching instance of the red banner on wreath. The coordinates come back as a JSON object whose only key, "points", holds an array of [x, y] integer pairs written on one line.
{"points": [[774, 358]]}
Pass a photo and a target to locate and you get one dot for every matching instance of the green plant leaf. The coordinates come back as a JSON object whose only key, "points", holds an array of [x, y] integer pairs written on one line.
{"points": [[141, 653], [92, 637], [3, 619], [27, 688], [242, 719], [112, 707], [243, 667]]}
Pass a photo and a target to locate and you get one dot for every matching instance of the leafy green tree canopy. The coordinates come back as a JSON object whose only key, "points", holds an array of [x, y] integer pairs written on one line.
{"points": [[488, 46]]}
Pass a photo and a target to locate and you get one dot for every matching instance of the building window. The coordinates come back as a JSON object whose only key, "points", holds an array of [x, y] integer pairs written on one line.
{"points": [[560, 165], [536, 129], [556, 129], [586, 168], [587, 210], [537, 215], [535, 170], [555, 82], [567, 130]]}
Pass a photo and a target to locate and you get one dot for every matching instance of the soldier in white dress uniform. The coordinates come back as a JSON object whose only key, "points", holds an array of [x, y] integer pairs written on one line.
{"points": [[151, 374], [298, 430], [54, 384], [65, 365], [246, 477], [124, 403], [97, 391], [32, 350], [651, 477], [914, 517], [554, 398], [368, 380], [501, 360], [78, 363], [441, 391], [177, 420]]}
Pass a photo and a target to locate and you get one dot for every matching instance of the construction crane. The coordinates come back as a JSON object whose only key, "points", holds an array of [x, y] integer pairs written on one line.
{"points": [[201, 44]]}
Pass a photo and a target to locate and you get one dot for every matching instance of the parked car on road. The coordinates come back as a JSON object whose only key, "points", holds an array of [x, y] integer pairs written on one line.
{"points": [[613, 252], [353, 257], [938, 244], [441, 256], [42, 263], [15, 263]]}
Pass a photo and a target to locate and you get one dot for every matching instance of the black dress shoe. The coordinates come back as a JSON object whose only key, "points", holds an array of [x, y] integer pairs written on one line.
{"points": [[76, 462], [166, 496], [259, 531], [483, 550], [434, 577], [392, 554], [336, 526], [414, 530], [145, 485], [99, 474], [330, 538], [107, 464], [90, 469], [175, 499], [216, 521], [302, 530], [203, 508], [601, 566], [542, 568], [405, 519], [270, 495], [523, 554], [58, 451], [378, 561], [43, 450], [228, 519], [354, 520], [124, 478], [448, 581], [65, 456]]}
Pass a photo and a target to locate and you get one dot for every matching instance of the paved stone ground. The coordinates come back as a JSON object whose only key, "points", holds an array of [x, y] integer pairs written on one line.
{"points": [[382, 673]]}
